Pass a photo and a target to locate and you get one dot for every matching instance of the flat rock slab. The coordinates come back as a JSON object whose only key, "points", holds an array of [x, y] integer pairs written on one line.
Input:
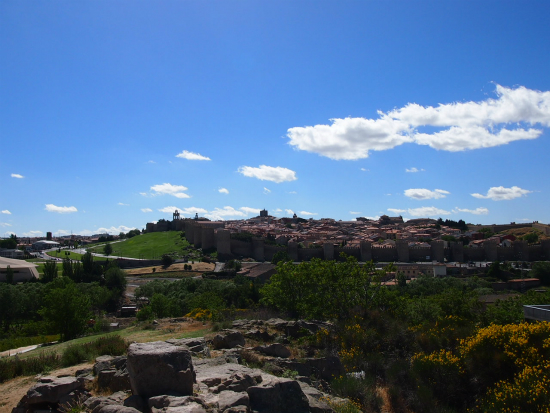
{"points": [[52, 389], [159, 368]]}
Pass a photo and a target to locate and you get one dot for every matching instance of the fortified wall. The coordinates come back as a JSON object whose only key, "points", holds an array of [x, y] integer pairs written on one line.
{"points": [[212, 235]]}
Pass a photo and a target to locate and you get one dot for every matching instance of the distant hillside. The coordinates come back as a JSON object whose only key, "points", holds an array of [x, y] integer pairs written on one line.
{"points": [[149, 246]]}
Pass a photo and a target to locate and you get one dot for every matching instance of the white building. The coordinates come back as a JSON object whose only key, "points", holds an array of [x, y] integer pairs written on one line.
{"points": [[44, 245], [22, 270]]}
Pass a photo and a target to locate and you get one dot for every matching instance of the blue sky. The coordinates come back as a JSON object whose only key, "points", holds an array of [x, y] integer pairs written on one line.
{"points": [[113, 113]]}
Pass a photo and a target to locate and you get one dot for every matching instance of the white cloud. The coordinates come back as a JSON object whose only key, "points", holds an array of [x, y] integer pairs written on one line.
{"points": [[143, 193], [191, 156], [8, 233], [223, 191], [427, 212], [114, 230], [33, 234], [59, 209], [414, 170], [477, 211], [61, 232], [354, 212], [289, 211], [305, 213], [169, 189], [5, 211], [146, 209], [169, 209], [123, 204], [4, 224], [248, 210], [193, 211], [17, 176], [293, 192], [276, 174], [421, 212], [266, 190], [278, 210], [421, 193], [151, 162], [219, 214], [364, 169], [499, 193], [459, 126]]}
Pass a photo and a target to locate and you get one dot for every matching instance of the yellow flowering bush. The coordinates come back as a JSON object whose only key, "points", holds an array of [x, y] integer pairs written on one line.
{"points": [[200, 314]]}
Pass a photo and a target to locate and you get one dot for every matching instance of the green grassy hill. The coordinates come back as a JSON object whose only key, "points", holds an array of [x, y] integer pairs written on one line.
{"points": [[152, 246]]}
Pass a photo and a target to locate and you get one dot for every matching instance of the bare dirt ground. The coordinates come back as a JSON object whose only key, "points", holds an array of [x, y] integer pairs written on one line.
{"points": [[12, 391], [198, 267]]}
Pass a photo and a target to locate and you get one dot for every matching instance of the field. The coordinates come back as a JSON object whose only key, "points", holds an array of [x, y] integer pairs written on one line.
{"points": [[148, 246]]}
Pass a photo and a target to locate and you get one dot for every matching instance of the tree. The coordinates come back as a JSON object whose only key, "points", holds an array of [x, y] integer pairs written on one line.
{"points": [[167, 260], [321, 289], [50, 271], [531, 238], [66, 309], [68, 268], [541, 270], [9, 275], [280, 256], [108, 249]]}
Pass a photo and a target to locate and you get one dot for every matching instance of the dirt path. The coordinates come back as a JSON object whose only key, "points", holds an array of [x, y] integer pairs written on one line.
{"points": [[13, 390], [19, 350]]}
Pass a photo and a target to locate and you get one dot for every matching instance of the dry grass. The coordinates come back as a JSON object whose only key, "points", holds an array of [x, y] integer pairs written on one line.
{"points": [[198, 267]]}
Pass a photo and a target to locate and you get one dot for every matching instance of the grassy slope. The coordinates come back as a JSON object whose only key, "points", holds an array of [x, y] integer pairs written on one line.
{"points": [[130, 334], [152, 245]]}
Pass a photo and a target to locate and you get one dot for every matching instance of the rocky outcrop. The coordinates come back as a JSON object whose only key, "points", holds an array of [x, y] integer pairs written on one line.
{"points": [[228, 339], [51, 392], [160, 368], [180, 376]]}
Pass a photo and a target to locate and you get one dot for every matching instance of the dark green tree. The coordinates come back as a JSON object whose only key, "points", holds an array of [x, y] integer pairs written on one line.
{"points": [[50, 271], [167, 260], [66, 309], [280, 256], [541, 270], [107, 249], [9, 275]]}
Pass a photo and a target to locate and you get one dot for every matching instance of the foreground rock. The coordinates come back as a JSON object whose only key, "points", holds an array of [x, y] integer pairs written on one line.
{"points": [[179, 376], [160, 368]]}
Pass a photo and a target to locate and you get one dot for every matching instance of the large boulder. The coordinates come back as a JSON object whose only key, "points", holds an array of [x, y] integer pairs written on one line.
{"points": [[52, 389], [159, 368], [274, 350], [197, 346], [228, 339], [277, 396]]}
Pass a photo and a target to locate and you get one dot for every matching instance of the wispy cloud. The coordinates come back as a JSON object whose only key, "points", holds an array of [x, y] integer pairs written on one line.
{"points": [[458, 126], [414, 170], [183, 211], [169, 189], [191, 156], [123, 204], [477, 211], [146, 210], [354, 212], [248, 210], [266, 190], [151, 162], [364, 169], [307, 214], [421, 212], [500, 193], [17, 176], [276, 174], [5, 211], [4, 224], [60, 209], [289, 211], [33, 234], [421, 193], [114, 230], [223, 191]]}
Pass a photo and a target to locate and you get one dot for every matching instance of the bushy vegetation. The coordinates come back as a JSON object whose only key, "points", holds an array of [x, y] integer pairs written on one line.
{"points": [[202, 299], [75, 354], [429, 342]]}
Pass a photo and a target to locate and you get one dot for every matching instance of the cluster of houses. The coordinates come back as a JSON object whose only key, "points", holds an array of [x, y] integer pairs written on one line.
{"points": [[383, 231]]}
